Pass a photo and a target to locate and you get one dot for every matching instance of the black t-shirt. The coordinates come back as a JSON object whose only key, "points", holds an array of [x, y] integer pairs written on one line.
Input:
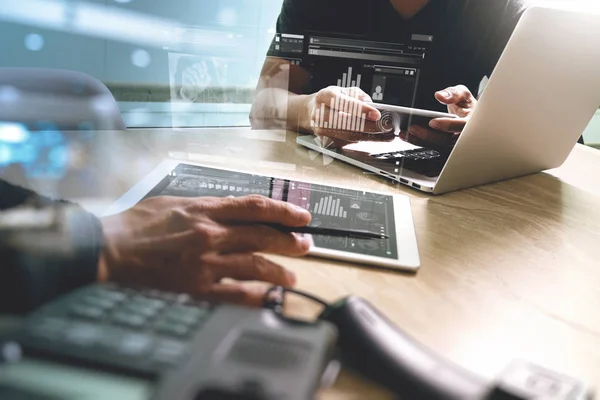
{"points": [[469, 35]]}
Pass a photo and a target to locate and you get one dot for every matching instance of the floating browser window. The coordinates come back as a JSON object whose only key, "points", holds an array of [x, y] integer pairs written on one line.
{"points": [[388, 72]]}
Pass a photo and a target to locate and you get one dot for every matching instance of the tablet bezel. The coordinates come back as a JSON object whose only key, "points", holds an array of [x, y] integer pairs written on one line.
{"points": [[406, 241]]}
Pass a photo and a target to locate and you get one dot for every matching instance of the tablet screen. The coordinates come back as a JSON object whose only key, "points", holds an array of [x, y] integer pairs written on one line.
{"points": [[330, 207]]}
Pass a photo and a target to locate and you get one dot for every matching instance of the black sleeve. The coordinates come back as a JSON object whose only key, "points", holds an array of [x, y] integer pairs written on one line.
{"points": [[28, 278], [13, 196]]}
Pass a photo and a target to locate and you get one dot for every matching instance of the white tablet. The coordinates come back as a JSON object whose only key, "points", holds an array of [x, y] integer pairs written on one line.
{"points": [[411, 111], [330, 206]]}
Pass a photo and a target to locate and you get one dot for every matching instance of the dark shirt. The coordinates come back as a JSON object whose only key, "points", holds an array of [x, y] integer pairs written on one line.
{"points": [[28, 280], [469, 35]]}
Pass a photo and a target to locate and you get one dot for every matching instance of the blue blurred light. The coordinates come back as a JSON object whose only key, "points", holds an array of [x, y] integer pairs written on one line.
{"points": [[51, 137], [5, 155], [13, 133], [34, 42], [59, 156], [140, 58], [123, 1], [26, 154], [8, 94]]}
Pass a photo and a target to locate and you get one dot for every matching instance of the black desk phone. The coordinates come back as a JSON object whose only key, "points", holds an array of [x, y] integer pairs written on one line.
{"points": [[147, 344], [171, 347]]}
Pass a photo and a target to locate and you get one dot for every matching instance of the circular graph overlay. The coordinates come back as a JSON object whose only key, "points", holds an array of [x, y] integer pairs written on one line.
{"points": [[190, 183], [388, 122], [367, 216], [316, 222], [368, 245]]}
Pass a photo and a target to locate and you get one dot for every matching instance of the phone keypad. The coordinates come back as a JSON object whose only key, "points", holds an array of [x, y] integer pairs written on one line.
{"points": [[143, 331]]}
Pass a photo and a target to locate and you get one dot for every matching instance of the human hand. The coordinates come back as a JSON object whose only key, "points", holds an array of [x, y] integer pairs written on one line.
{"points": [[190, 244], [346, 107], [445, 131]]}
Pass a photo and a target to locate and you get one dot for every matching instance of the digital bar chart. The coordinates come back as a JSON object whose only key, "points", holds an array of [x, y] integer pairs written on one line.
{"points": [[330, 206], [347, 80]]}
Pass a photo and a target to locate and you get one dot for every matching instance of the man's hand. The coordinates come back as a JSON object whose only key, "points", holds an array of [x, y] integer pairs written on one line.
{"points": [[191, 244], [445, 131], [345, 106]]}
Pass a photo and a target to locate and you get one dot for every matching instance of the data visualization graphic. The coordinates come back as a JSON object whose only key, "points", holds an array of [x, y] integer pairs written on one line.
{"points": [[347, 81], [350, 119], [331, 207]]}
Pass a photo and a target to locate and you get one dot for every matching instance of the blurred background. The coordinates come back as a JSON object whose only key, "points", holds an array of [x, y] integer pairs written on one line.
{"points": [[169, 63], [177, 63]]}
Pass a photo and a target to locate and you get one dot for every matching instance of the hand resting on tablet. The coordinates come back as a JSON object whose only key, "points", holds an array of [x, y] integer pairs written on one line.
{"points": [[184, 244]]}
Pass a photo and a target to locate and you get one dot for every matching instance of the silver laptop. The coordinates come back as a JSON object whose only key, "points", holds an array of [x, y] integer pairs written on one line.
{"points": [[544, 91]]}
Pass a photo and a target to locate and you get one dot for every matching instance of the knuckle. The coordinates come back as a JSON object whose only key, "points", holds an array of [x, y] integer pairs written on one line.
{"points": [[242, 294], [257, 204], [178, 217], [463, 91], [263, 269], [207, 235], [321, 96], [200, 205], [259, 264], [326, 93]]}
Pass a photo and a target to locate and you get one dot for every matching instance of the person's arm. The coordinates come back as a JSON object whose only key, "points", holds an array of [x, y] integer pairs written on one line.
{"points": [[177, 244], [282, 101], [190, 245], [13, 196], [37, 272]]}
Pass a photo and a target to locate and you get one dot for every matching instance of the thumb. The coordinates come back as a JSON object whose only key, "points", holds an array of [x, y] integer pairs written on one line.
{"points": [[454, 95], [444, 97]]}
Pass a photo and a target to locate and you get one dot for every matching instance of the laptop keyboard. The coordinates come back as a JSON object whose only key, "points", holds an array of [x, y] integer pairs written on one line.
{"points": [[428, 162]]}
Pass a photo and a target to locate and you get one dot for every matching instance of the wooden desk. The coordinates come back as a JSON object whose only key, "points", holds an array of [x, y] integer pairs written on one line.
{"points": [[509, 270]]}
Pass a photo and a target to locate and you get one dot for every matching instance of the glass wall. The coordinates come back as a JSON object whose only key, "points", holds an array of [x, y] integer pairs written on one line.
{"points": [[177, 63]]}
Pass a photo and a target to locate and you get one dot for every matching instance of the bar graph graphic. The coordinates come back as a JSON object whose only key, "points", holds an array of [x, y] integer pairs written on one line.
{"points": [[330, 206], [350, 119], [347, 80]]}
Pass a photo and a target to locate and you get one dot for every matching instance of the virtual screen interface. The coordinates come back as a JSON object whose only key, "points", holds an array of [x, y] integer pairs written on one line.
{"points": [[388, 72], [330, 207]]}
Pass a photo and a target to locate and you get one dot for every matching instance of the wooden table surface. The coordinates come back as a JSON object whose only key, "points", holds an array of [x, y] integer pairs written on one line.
{"points": [[510, 270]]}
